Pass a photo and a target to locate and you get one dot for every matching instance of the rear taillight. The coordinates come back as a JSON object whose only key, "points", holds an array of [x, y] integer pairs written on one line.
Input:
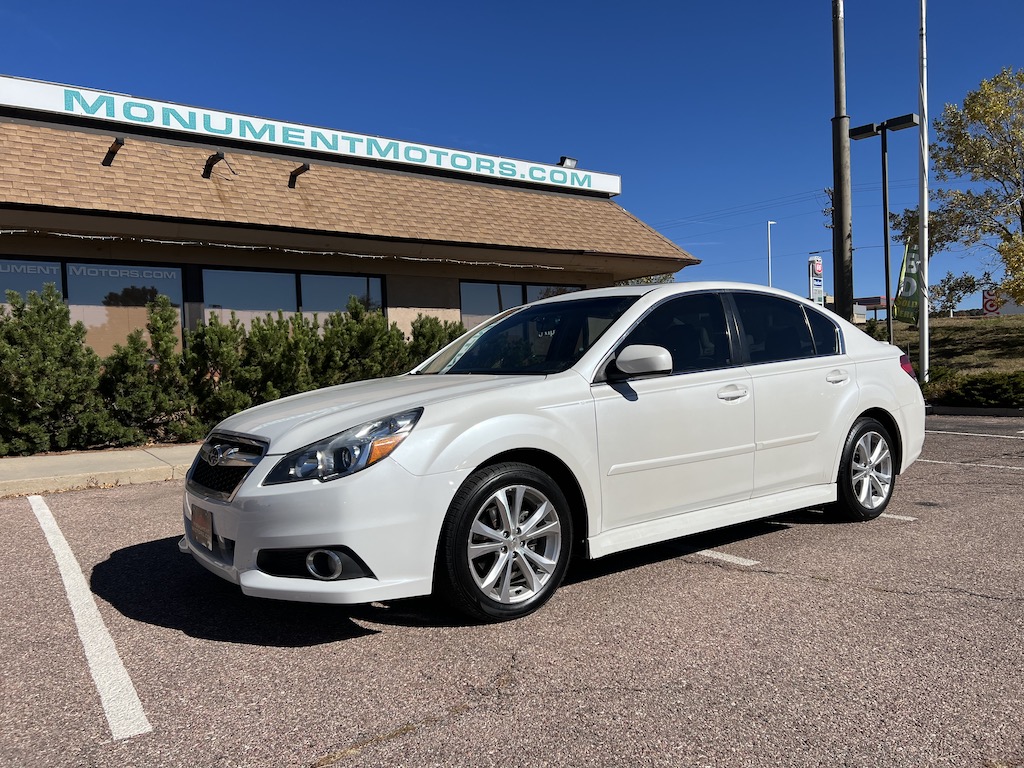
{"points": [[907, 366]]}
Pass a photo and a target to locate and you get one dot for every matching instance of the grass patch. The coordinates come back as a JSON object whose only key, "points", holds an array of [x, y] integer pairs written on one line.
{"points": [[967, 345]]}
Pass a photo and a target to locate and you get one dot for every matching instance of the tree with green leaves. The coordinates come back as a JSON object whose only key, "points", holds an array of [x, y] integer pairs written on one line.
{"points": [[952, 289], [979, 162]]}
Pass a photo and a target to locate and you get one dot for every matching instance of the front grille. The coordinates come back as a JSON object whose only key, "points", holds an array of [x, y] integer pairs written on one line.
{"points": [[222, 464], [222, 480]]}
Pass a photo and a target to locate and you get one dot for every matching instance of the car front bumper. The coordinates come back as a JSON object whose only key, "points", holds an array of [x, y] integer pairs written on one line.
{"points": [[387, 518]]}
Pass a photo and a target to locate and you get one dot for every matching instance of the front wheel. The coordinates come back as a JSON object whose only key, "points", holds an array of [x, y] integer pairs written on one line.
{"points": [[867, 474], [505, 544]]}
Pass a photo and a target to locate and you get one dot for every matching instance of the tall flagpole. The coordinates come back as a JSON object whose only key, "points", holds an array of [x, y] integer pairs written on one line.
{"points": [[922, 241]]}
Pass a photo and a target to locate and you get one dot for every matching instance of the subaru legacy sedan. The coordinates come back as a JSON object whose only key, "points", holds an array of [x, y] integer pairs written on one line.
{"points": [[579, 425]]}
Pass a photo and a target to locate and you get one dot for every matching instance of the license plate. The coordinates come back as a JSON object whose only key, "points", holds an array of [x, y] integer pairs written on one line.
{"points": [[202, 527]]}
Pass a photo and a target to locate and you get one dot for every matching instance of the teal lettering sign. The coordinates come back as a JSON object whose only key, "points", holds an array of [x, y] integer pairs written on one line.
{"points": [[132, 111]]}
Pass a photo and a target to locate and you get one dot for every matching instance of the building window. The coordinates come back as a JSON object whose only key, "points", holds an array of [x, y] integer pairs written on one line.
{"points": [[247, 294], [25, 276], [110, 299], [331, 293], [482, 300]]}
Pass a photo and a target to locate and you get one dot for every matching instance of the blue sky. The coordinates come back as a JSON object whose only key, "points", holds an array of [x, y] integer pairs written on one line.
{"points": [[717, 116]]}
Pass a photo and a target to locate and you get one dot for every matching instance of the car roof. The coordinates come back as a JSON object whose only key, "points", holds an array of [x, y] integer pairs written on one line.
{"points": [[669, 289]]}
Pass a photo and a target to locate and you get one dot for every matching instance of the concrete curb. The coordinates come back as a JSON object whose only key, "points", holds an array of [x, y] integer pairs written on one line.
{"points": [[52, 473], [950, 410]]}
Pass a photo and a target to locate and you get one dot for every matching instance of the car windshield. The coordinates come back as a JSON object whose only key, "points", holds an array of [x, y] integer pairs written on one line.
{"points": [[538, 339]]}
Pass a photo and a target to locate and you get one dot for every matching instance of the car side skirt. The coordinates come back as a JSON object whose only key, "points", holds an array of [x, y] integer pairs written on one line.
{"points": [[654, 531]]}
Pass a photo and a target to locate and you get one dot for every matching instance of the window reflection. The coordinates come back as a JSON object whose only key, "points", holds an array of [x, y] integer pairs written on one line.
{"points": [[25, 276], [330, 293], [247, 294], [110, 299], [483, 300]]}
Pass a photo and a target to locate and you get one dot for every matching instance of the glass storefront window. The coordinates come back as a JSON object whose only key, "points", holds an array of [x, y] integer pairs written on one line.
{"points": [[247, 294], [482, 300], [110, 299], [537, 292], [25, 276], [330, 293]]}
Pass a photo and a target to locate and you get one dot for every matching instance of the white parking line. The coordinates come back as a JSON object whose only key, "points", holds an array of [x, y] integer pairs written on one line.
{"points": [[117, 693], [968, 464], [727, 558], [972, 434], [904, 518]]}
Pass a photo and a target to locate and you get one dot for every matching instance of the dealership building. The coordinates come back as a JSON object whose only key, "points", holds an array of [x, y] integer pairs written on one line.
{"points": [[114, 199]]}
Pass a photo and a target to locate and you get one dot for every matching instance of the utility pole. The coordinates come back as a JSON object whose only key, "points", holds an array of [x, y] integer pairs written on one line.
{"points": [[842, 232], [924, 305]]}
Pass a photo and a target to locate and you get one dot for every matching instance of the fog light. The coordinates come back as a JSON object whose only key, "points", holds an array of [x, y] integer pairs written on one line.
{"points": [[323, 564]]}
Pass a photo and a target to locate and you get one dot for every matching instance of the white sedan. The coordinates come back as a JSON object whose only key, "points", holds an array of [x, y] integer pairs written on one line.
{"points": [[583, 424]]}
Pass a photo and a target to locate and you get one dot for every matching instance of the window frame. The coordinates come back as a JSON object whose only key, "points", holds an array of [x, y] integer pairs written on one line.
{"points": [[743, 348]]}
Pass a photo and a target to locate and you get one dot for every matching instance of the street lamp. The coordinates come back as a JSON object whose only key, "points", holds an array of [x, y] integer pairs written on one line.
{"points": [[770, 252], [880, 129]]}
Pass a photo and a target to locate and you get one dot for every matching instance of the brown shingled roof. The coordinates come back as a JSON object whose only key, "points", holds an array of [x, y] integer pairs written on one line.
{"points": [[61, 168]]}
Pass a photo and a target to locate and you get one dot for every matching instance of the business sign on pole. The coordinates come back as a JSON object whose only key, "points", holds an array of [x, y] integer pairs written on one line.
{"points": [[214, 125], [816, 280], [907, 306]]}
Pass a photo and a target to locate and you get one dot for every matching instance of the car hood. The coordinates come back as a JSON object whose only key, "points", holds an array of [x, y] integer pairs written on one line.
{"points": [[293, 422]]}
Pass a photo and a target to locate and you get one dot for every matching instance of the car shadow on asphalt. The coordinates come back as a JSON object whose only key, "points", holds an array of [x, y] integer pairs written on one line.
{"points": [[583, 570], [156, 584]]}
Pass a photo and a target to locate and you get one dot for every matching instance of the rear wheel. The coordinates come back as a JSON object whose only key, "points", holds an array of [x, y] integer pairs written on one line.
{"points": [[506, 543], [867, 474]]}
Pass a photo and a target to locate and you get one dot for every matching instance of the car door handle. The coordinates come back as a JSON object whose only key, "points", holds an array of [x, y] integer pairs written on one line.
{"points": [[838, 377], [732, 393]]}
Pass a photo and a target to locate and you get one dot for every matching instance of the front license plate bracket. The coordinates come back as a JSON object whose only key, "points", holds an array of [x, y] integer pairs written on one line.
{"points": [[202, 527]]}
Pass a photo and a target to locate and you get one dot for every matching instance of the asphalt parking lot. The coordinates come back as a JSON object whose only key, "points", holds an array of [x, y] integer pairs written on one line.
{"points": [[789, 642]]}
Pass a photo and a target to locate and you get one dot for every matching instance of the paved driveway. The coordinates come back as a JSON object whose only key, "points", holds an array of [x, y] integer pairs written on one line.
{"points": [[793, 642]]}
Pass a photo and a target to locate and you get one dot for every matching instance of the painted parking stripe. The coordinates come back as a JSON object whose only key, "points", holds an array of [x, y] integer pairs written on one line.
{"points": [[714, 555], [117, 693], [968, 464], [904, 518], [972, 434]]}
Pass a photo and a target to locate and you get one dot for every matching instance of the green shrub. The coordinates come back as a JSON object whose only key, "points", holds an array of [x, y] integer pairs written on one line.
{"points": [[279, 358], [48, 379], [144, 384], [56, 393], [360, 344], [214, 356], [980, 390], [429, 334]]}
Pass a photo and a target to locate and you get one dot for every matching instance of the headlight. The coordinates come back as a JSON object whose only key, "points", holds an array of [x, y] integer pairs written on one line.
{"points": [[346, 453]]}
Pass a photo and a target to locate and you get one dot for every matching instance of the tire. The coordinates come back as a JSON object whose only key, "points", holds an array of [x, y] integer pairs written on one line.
{"points": [[505, 544], [867, 472]]}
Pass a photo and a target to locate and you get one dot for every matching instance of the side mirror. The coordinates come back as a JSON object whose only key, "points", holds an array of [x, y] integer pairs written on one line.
{"points": [[638, 360]]}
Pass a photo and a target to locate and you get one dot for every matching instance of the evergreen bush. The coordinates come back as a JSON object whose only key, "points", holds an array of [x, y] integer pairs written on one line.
{"points": [[144, 384], [214, 359], [429, 334], [981, 390], [360, 344], [49, 398], [56, 393]]}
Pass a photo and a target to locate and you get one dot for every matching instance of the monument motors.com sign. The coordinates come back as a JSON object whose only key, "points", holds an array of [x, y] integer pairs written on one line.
{"points": [[212, 124]]}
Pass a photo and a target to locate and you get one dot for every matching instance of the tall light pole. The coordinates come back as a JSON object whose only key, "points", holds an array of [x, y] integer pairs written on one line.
{"points": [[770, 252], [881, 129]]}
